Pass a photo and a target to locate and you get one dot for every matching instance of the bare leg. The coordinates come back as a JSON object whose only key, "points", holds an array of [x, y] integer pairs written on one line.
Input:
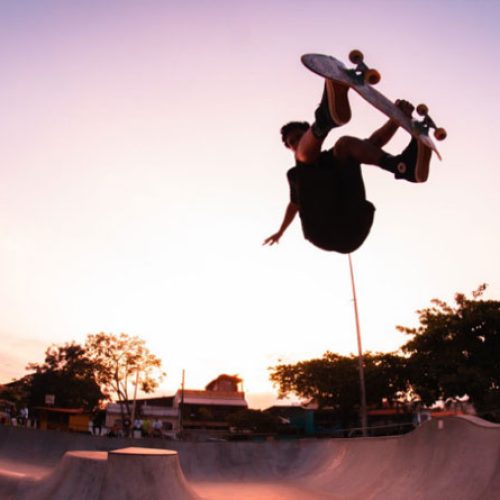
{"points": [[412, 164], [309, 148], [333, 111], [359, 150], [346, 148]]}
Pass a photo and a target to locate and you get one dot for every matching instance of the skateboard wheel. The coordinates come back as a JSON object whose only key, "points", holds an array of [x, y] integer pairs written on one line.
{"points": [[422, 110], [440, 134], [356, 56], [372, 76]]}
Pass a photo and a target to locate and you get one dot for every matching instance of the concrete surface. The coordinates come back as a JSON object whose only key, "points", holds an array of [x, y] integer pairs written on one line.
{"points": [[455, 457]]}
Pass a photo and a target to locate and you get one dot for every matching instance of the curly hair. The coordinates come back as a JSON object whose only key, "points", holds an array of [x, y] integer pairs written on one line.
{"points": [[291, 126]]}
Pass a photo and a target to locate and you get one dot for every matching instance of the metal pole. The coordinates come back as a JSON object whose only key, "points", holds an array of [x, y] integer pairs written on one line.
{"points": [[132, 418], [363, 413], [181, 406]]}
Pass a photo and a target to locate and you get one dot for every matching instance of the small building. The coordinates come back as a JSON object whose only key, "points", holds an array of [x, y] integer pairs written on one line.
{"points": [[148, 410], [225, 383], [204, 412], [391, 421], [296, 420], [196, 414], [62, 419]]}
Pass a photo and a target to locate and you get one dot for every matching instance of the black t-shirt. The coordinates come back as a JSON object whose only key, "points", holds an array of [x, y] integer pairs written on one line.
{"points": [[334, 212]]}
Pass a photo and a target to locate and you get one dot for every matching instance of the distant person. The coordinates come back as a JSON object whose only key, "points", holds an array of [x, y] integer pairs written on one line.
{"points": [[138, 432], [23, 416], [98, 421], [114, 431], [146, 427], [157, 428], [326, 187], [126, 426]]}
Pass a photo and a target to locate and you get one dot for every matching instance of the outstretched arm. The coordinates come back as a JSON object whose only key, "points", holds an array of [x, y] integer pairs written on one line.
{"points": [[290, 213], [385, 133]]}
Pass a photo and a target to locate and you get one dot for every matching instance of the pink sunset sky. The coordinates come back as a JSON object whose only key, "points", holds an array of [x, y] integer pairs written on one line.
{"points": [[141, 169]]}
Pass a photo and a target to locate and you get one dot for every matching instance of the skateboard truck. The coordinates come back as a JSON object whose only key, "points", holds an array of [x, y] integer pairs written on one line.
{"points": [[427, 123], [361, 78], [362, 73]]}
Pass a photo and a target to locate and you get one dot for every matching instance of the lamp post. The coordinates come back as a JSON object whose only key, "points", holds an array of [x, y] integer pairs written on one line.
{"points": [[181, 407], [363, 413], [134, 405]]}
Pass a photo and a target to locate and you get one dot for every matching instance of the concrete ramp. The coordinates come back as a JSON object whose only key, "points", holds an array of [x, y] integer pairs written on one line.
{"points": [[448, 458], [145, 474], [126, 474], [452, 458], [455, 457], [79, 475]]}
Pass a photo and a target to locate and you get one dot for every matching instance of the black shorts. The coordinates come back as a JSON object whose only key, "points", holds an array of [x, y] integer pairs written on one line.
{"points": [[343, 231]]}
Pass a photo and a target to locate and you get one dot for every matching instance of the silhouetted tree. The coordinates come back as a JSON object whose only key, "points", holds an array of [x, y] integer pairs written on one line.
{"points": [[68, 374], [333, 380], [17, 391], [456, 350], [122, 361]]}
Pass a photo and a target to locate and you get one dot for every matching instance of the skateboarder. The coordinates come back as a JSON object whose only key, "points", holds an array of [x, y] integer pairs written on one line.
{"points": [[326, 187]]}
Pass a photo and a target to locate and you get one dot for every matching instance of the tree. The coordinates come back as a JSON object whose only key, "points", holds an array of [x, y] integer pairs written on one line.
{"points": [[17, 391], [386, 379], [122, 361], [68, 374], [456, 350], [333, 380]]}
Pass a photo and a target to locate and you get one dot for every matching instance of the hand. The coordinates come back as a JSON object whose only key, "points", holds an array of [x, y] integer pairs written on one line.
{"points": [[406, 107], [272, 240]]}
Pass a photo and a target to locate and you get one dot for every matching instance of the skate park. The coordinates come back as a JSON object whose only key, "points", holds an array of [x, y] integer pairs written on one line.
{"points": [[142, 169], [451, 457]]}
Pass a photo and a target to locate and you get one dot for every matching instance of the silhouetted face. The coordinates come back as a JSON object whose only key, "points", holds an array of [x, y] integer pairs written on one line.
{"points": [[293, 138]]}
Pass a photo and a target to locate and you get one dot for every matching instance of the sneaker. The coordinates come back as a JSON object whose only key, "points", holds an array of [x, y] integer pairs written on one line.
{"points": [[338, 104], [333, 110], [413, 163]]}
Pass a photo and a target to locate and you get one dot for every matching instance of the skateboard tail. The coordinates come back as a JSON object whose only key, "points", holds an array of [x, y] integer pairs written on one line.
{"points": [[425, 141], [423, 160]]}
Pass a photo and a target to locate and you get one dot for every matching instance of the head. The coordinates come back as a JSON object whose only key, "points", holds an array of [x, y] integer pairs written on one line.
{"points": [[292, 132]]}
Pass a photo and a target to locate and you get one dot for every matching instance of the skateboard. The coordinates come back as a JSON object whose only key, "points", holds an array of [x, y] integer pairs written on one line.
{"points": [[361, 78]]}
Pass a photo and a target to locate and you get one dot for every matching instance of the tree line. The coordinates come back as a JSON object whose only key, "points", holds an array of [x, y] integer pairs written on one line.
{"points": [[106, 366], [452, 354]]}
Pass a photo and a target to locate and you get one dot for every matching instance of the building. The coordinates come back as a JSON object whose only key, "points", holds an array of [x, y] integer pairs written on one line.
{"points": [[204, 412], [194, 414], [61, 419], [148, 410]]}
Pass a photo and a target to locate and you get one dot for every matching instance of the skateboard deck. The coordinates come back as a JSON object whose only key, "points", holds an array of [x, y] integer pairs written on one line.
{"points": [[361, 79]]}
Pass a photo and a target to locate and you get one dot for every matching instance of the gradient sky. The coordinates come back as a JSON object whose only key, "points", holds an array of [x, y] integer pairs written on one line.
{"points": [[141, 169]]}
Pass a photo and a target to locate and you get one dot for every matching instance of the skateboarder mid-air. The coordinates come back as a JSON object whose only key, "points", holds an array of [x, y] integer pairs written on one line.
{"points": [[326, 187]]}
